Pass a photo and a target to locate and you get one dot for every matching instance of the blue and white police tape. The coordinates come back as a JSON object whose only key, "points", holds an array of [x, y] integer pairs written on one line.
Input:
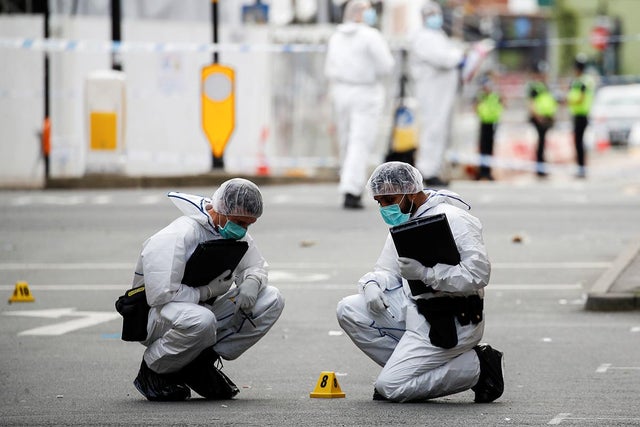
{"points": [[67, 45]]}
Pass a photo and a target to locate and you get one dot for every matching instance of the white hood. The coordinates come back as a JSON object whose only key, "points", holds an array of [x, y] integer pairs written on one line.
{"points": [[348, 28], [437, 197], [192, 206]]}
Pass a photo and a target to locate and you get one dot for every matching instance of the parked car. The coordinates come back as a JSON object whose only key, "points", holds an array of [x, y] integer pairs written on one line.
{"points": [[615, 110]]}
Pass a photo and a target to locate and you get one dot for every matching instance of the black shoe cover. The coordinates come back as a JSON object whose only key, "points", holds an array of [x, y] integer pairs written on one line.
{"points": [[206, 379], [160, 387], [352, 202], [377, 395], [490, 386]]}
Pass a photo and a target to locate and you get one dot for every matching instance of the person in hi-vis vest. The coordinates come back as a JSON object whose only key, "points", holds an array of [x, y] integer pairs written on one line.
{"points": [[579, 100], [542, 111], [489, 107]]}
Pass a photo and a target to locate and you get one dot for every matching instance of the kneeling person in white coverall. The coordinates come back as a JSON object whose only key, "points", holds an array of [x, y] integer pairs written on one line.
{"points": [[424, 359], [190, 328]]}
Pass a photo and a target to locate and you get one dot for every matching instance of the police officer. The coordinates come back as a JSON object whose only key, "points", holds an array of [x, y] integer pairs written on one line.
{"points": [[579, 100], [542, 111], [489, 108]]}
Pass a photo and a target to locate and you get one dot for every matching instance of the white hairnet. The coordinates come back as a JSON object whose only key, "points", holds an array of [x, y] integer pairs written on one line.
{"points": [[395, 178], [354, 9], [238, 197], [430, 7]]}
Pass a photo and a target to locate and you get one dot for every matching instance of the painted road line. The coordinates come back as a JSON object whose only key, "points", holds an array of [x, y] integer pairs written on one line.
{"points": [[607, 367], [309, 284], [294, 265], [12, 266], [559, 418], [86, 319], [566, 416]]}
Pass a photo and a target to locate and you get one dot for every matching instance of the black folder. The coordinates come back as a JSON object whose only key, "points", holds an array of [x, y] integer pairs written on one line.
{"points": [[428, 240], [211, 259]]}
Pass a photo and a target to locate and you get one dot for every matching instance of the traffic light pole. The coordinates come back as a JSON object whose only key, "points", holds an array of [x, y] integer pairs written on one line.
{"points": [[46, 128], [217, 162], [116, 18]]}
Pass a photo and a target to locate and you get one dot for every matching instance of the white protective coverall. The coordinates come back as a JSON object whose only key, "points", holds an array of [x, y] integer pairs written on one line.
{"points": [[357, 58], [398, 340], [179, 327], [434, 61]]}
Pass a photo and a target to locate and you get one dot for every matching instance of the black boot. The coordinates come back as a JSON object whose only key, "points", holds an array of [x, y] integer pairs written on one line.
{"points": [[434, 181], [352, 202], [206, 379], [160, 387], [377, 395], [490, 385]]}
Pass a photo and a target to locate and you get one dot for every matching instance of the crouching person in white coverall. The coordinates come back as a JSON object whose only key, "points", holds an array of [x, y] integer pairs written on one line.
{"points": [[424, 359], [190, 328]]}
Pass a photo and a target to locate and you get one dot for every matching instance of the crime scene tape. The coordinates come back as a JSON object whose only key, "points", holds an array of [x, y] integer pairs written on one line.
{"points": [[70, 45], [67, 45]]}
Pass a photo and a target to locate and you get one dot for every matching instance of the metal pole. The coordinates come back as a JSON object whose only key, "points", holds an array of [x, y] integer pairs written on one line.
{"points": [[46, 129], [214, 19], [116, 57], [216, 162]]}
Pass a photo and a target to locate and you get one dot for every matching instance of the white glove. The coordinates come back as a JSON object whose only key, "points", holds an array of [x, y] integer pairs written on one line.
{"points": [[247, 294], [411, 269], [217, 286], [373, 295]]}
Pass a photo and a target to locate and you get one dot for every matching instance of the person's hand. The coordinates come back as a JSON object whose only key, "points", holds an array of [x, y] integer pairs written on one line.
{"points": [[217, 286], [247, 294], [411, 269], [374, 297]]}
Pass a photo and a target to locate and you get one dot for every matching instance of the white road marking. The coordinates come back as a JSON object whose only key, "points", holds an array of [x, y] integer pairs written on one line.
{"points": [[87, 318], [294, 265], [607, 366], [548, 265], [292, 281], [102, 200], [558, 418], [566, 416], [68, 266]]}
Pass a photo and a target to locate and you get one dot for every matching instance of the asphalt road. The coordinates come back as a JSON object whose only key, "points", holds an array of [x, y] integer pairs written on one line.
{"points": [[62, 362]]}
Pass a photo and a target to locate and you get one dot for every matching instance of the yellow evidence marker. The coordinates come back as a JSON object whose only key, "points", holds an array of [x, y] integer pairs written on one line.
{"points": [[21, 293], [327, 386]]}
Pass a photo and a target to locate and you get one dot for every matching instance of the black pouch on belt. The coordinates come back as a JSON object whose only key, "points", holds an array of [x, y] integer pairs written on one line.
{"points": [[135, 312], [442, 312]]}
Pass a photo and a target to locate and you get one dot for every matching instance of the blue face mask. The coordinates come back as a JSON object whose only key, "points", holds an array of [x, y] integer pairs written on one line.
{"points": [[231, 230], [393, 215], [433, 22], [370, 17]]}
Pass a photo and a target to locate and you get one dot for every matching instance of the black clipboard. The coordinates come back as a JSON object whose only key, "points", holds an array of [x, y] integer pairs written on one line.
{"points": [[211, 259], [426, 239]]}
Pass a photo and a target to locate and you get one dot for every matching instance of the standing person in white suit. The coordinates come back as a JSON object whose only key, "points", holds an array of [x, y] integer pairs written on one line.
{"points": [[357, 58], [190, 328], [435, 63], [427, 344]]}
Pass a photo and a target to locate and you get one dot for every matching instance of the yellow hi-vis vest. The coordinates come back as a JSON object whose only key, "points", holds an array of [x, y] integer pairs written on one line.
{"points": [[489, 108], [580, 96], [545, 104]]}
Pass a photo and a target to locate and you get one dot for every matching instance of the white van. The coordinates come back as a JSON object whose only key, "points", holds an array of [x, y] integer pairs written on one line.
{"points": [[615, 111]]}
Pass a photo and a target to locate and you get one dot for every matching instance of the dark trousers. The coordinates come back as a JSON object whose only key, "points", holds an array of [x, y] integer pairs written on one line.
{"points": [[579, 126], [541, 128], [487, 134]]}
